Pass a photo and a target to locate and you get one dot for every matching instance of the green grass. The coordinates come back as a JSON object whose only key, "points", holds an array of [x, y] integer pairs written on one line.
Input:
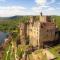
{"points": [[57, 21], [9, 57], [55, 51], [4, 58]]}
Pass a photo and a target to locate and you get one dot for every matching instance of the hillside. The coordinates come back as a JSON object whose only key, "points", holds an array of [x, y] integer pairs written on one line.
{"points": [[11, 23], [57, 18]]}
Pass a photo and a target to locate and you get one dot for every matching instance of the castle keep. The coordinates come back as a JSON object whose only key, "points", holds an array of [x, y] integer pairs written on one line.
{"points": [[37, 31]]}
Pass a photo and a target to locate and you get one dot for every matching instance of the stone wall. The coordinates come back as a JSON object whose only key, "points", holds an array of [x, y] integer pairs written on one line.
{"points": [[37, 31]]}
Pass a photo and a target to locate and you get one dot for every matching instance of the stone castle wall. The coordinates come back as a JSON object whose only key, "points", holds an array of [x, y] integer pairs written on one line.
{"points": [[37, 31]]}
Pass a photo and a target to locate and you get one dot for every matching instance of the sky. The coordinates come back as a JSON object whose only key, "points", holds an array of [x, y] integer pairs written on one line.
{"points": [[29, 7]]}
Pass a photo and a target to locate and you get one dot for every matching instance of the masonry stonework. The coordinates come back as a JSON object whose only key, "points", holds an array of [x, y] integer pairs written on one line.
{"points": [[38, 30]]}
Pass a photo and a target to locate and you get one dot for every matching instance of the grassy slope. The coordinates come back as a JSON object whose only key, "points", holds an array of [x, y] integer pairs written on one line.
{"points": [[55, 49], [57, 18]]}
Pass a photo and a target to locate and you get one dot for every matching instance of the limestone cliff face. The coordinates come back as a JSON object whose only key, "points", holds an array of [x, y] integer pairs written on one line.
{"points": [[37, 55], [22, 33], [38, 30]]}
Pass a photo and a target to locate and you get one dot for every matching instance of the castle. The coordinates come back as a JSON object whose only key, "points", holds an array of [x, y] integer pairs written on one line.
{"points": [[37, 31]]}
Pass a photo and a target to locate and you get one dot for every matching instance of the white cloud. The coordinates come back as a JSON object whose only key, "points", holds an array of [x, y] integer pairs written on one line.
{"points": [[44, 2], [15, 10], [46, 10], [12, 10], [40, 8], [19, 10], [12, 7], [45, 7], [41, 2]]}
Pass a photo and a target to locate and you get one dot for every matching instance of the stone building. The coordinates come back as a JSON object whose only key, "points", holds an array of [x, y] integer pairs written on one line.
{"points": [[38, 30]]}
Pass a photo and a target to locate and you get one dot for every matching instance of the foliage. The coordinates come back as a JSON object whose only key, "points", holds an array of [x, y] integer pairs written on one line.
{"points": [[12, 23], [55, 50], [57, 20]]}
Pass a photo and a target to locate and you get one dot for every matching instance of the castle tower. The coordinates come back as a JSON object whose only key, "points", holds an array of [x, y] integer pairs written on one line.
{"points": [[42, 18]]}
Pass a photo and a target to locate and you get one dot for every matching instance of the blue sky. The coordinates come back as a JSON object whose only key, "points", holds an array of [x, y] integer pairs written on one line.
{"points": [[29, 7]]}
